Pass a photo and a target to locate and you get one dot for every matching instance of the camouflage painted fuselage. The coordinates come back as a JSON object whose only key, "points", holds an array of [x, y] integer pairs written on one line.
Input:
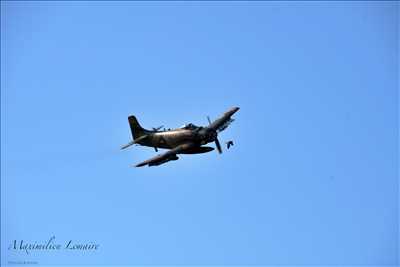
{"points": [[173, 138], [168, 139]]}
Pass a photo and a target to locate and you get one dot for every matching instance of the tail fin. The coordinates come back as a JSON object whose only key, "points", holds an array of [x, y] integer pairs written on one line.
{"points": [[136, 129]]}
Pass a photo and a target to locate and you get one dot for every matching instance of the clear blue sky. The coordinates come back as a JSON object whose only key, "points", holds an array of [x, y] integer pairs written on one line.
{"points": [[312, 178]]}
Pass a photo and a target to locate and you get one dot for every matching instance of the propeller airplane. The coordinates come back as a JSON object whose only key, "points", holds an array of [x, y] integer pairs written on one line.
{"points": [[189, 139]]}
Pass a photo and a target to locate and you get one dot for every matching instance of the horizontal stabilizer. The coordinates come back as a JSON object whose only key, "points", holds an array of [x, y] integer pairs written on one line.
{"points": [[137, 140], [128, 145]]}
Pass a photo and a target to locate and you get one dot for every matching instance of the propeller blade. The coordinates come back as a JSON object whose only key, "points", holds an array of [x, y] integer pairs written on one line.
{"points": [[218, 146], [208, 118]]}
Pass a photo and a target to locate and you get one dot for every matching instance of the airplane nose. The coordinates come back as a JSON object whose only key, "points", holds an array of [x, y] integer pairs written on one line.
{"points": [[211, 136]]}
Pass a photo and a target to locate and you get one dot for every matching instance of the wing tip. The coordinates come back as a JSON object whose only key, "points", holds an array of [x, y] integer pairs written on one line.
{"points": [[139, 165]]}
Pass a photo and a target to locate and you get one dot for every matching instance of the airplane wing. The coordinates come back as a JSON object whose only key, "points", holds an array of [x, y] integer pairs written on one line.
{"points": [[167, 156], [223, 122]]}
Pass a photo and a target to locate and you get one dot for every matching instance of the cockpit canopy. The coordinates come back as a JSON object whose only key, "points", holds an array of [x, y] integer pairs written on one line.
{"points": [[189, 126]]}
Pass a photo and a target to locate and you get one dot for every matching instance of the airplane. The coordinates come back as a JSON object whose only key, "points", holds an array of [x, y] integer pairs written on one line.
{"points": [[188, 139]]}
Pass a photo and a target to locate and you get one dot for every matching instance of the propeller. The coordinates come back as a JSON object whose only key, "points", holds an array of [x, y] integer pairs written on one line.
{"points": [[209, 121], [158, 128], [218, 145], [219, 148]]}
